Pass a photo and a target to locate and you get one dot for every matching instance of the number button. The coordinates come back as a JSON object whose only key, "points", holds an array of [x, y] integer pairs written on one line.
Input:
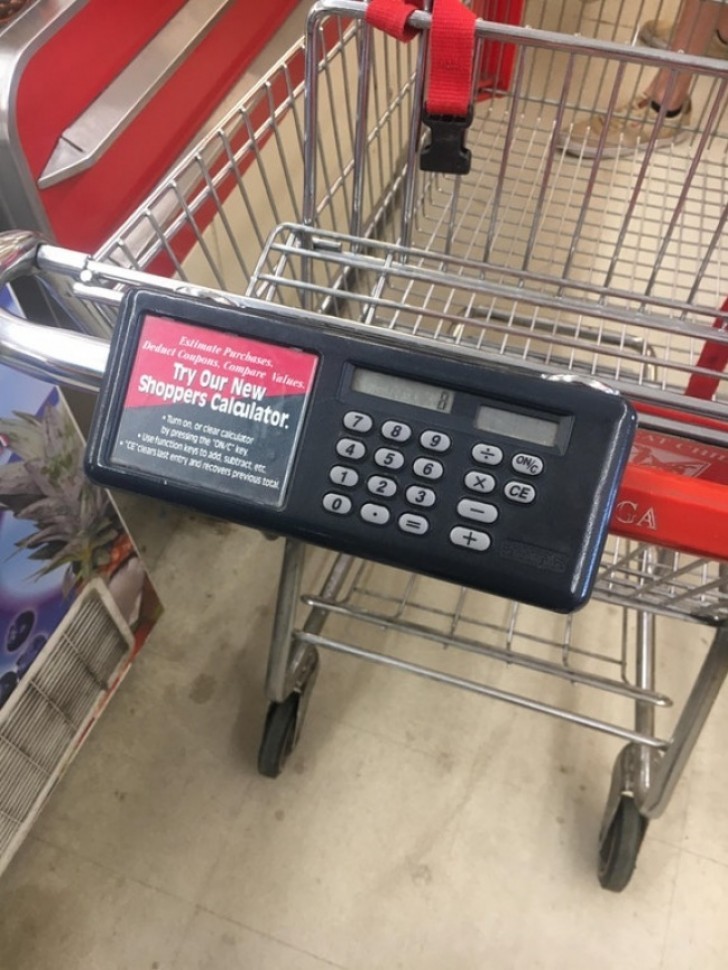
{"points": [[389, 458], [480, 482], [415, 524], [347, 477], [477, 511], [470, 539], [527, 464], [396, 431], [487, 454], [349, 448], [379, 485], [435, 441], [425, 498], [338, 504], [358, 421], [375, 514], [520, 492], [428, 468]]}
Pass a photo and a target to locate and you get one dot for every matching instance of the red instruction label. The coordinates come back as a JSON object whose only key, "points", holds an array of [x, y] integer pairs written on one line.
{"points": [[214, 409]]}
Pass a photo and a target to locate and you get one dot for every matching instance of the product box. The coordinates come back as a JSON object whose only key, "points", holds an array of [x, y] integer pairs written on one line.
{"points": [[58, 531]]}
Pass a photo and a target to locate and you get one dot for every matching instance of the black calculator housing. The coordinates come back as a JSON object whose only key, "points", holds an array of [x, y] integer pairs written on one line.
{"points": [[542, 550]]}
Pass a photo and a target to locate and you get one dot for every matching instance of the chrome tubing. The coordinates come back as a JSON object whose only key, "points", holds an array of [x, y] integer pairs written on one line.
{"points": [[54, 355]]}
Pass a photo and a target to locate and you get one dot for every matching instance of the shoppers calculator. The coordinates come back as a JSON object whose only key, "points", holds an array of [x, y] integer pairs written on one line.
{"points": [[354, 439]]}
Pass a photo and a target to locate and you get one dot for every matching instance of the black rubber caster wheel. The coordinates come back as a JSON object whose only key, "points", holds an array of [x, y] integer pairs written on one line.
{"points": [[620, 846], [279, 736]]}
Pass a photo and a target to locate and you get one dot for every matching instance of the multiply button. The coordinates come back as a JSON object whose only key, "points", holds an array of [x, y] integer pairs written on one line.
{"points": [[487, 454], [527, 464], [477, 511], [520, 492], [375, 514], [358, 421], [416, 524], [480, 482], [349, 448], [470, 539], [396, 431]]}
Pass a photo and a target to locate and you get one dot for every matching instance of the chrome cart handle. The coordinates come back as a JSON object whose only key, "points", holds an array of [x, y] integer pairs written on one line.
{"points": [[43, 351]]}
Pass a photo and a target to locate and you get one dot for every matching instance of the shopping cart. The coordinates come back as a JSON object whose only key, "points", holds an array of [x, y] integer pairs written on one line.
{"points": [[603, 271]]}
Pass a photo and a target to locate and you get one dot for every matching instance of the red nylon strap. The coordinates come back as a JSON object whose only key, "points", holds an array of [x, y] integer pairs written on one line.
{"points": [[712, 357], [391, 16], [452, 42]]}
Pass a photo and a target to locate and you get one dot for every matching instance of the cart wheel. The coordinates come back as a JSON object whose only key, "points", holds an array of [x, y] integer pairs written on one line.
{"points": [[279, 736], [620, 846]]}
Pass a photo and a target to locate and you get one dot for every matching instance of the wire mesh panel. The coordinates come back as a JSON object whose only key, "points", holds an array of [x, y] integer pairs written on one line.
{"points": [[40, 724]]}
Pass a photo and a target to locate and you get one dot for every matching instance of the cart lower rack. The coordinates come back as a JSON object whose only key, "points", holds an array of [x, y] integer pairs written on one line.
{"points": [[514, 263]]}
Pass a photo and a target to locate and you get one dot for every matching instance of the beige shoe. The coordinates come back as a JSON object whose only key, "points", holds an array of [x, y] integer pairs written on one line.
{"points": [[630, 129], [657, 33]]}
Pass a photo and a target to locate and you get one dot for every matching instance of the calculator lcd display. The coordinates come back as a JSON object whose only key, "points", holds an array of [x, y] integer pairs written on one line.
{"points": [[511, 424], [402, 390]]}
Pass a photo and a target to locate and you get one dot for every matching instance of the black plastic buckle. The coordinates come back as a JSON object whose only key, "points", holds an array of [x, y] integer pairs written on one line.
{"points": [[446, 152]]}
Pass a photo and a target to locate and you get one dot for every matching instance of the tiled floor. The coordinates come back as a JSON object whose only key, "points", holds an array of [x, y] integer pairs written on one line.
{"points": [[414, 827]]}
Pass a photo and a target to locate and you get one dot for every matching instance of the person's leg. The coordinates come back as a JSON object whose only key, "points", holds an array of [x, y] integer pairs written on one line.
{"points": [[695, 28], [661, 115]]}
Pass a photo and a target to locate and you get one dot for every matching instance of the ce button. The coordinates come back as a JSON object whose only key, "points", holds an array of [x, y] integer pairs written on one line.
{"points": [[520, 492]]}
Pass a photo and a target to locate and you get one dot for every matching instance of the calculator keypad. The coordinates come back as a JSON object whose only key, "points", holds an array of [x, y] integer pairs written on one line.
{"points": [[393, 464]]}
